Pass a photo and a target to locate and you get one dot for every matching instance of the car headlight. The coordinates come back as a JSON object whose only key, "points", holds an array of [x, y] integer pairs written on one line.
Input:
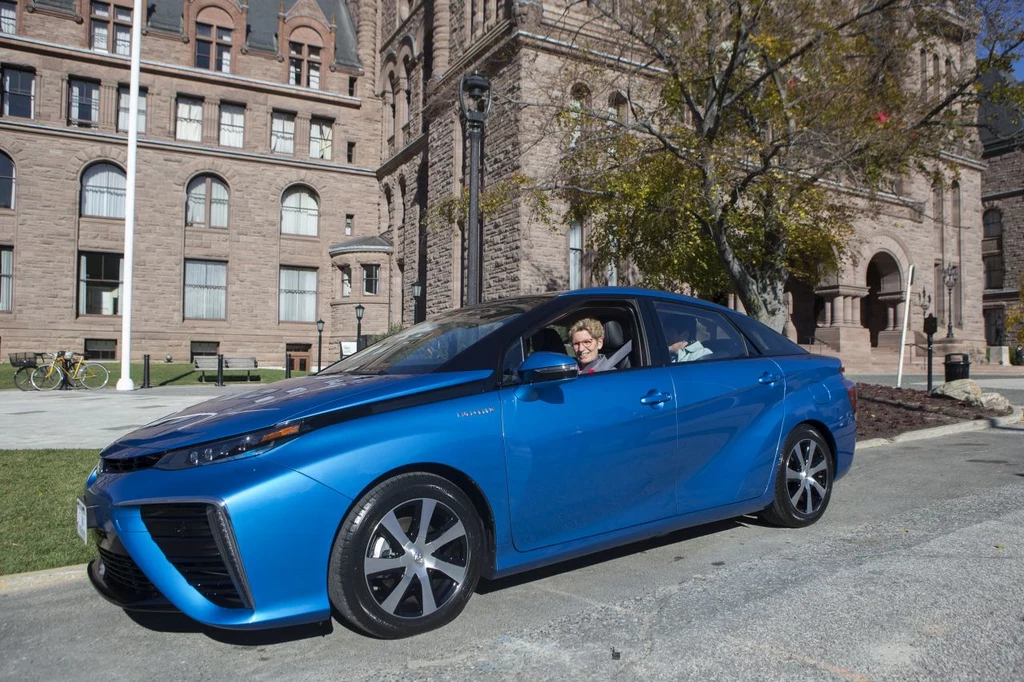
{"points": [[247, 445]]}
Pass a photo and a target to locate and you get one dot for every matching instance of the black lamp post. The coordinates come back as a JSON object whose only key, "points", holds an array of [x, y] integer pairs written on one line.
{"points": [[924, 301], [950, 274], [475, 102], [359, 325], [319, 342], [417, 292]]}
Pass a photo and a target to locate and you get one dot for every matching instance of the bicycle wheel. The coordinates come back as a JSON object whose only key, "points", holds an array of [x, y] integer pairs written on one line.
{"points": [[92, 375], [23, 379], [47, 377]]}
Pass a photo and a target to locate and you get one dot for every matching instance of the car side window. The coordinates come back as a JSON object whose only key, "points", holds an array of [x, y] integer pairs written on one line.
{"points": [[694, 334]]}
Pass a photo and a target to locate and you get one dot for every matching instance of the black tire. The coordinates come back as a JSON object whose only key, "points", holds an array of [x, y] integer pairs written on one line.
{"points": [[47, 377], [23, 379], [389, 603], [803, 480]]}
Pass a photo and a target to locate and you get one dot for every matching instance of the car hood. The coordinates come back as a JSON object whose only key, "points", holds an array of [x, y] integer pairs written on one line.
{"points": [[284, 401]]}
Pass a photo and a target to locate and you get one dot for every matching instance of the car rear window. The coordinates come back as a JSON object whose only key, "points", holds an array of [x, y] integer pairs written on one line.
{"points": [[764, 338]]}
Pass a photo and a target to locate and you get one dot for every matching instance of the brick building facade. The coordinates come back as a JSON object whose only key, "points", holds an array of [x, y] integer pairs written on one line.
{"points": [[380, 78]]}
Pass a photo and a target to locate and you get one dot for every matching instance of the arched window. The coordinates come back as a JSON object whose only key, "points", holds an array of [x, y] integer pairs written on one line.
{"points": [[578, 97], [207, 203], [6, 181], [300, 211], [214, 28], [954, 197], [618, 107], [305, 47], [993, 223], [103, 188]]}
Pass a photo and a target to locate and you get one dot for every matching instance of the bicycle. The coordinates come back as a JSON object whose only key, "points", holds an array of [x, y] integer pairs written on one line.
{"points": [[26, 363], [69, 368]]}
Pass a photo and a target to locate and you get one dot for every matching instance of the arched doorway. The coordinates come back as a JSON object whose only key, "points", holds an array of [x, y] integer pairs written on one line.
{"points": [[885, 293]]}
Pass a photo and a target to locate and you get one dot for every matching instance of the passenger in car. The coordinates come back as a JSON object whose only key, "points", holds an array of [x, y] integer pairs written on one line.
{"points": [[587, 338], [686, 347]]}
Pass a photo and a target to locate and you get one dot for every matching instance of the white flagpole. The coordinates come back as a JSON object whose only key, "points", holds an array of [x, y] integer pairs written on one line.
{"points": [[125, 383], [906, 318]]}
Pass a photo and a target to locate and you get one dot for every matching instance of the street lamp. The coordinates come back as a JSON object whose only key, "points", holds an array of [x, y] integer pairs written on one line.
{"points": [[950, 274], [359, 325], [475, 102], [417, 292], [319, 342], [924, 301]]}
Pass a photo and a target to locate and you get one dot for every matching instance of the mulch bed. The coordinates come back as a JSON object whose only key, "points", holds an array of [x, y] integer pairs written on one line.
{"points": [[884, 411]]}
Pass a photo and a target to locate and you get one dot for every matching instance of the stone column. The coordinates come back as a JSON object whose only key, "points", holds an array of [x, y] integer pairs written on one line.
{"points": [[442, 37], [837, 310], [828, 314]]}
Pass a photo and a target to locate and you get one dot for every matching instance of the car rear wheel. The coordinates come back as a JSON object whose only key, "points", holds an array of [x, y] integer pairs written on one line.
{"points": [[407, 557], [803, 480]]}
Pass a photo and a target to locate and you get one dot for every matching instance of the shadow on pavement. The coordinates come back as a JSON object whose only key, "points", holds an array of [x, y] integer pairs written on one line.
{"points": [[178, 622]]}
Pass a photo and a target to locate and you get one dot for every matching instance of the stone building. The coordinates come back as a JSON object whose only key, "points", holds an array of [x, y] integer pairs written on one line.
{"points": [[245, 220], [1003, 219], [256, 159]]}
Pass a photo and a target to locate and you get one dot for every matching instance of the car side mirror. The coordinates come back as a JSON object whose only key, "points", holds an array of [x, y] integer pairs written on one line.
{"points": [[543, 366]]}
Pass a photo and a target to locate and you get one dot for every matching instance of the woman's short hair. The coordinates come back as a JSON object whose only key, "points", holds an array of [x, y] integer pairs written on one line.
{"points": [[587, 324]]}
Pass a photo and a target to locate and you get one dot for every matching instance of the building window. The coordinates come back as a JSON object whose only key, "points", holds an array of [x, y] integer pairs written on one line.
{"points": [[992, 221], [371, 279], [350, 221], [111, 28], [6, 181], [352, 80], [232, 125], [207, 204], [346, 281], [993, 271], [298, 295], [189, 124], [575, 255], [103, 188], [992, 248], [123, 108], [350, 153], [19, 93], [300, 212], [320, 136], [213, 48], [84, 104], [203, 349], [99, 283], [304, 65], [100, 349], [6, 277], [206, 290], [282, 132], [8, 17]]}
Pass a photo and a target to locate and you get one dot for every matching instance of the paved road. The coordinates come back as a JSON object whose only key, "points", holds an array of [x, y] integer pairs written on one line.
{"points": [[913, 574]]}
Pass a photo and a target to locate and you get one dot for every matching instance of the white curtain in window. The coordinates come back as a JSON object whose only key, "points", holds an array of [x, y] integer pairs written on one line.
{"points": [[123, 100], [314, 75], [190, 120], [298, 295], [205, 289], [99, 36], [282, 133], [232, 125], [320, 139], [6, 278], [346, 282], [8, 17], [218, 203], [575, 255], [103, 188], [195, 207], [123, 40], [85, 101], [300, 212]]}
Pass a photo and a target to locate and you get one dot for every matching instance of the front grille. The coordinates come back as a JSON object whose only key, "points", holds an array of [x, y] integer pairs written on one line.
{"points": [[122, 575], [120, 466], [183, 533]]}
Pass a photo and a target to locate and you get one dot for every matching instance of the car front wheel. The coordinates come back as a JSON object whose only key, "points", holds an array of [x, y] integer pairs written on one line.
{"points": [[803, 480], [407, 557]]}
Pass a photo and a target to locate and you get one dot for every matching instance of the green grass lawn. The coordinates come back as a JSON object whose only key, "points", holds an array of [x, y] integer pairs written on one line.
{"points": [[165, 374], [37, 508]]}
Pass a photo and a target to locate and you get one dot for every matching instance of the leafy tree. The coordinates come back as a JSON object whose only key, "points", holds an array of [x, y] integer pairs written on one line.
{"points": [[752, 131]]}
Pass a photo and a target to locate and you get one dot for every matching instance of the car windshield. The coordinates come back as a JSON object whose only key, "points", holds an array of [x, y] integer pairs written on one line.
{"points": [[428, 346]]}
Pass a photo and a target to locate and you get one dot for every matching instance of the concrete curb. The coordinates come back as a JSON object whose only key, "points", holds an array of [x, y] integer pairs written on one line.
{"points": [[18, 582], [946, 430]]}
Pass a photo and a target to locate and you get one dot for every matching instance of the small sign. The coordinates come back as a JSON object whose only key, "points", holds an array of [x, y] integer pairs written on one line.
{"points": [[82, 521]]}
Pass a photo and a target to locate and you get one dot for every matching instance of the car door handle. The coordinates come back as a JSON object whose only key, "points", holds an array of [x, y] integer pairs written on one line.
{"points": [[655, 398], [769, 378]]}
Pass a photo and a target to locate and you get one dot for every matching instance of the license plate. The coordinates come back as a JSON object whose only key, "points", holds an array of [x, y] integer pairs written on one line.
{"points": [[83, 529]]}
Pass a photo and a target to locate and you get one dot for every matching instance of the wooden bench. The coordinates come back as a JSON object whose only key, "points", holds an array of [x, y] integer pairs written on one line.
{"points": [[208, 363]]}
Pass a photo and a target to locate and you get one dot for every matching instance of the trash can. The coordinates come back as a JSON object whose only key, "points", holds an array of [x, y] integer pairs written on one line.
{"points": [[958, 366]]}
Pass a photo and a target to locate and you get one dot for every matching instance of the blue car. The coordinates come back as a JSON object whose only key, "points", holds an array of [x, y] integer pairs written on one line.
{"points": [[486, 441]]}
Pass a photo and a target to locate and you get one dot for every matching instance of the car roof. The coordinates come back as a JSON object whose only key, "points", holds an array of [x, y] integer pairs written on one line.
{"points": [[639, 291]]}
